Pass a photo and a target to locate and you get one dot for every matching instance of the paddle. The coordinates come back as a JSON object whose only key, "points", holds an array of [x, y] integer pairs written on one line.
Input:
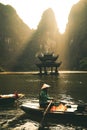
{"points": [[45, 112]]}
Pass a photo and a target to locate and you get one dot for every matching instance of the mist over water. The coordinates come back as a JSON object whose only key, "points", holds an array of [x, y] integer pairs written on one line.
{"points": [[68, 86]]}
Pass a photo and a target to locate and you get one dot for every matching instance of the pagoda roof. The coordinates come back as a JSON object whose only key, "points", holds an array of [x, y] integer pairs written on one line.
{"points": [[48, 57]]}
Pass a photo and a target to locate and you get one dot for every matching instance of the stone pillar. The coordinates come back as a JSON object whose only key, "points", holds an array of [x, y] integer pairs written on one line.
{"points": [[56, 71], [40, 70], [45, 71], [51, 69]]}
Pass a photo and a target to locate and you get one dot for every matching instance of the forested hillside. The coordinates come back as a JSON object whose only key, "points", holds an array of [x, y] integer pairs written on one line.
{"points": [[76, 37], [13, 36]]}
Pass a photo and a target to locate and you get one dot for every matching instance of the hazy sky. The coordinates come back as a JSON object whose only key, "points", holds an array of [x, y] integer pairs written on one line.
{"points": [[31, 10]]}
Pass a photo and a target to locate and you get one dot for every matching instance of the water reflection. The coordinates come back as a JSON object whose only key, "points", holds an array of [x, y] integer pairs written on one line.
{"points": [[67, 86], [16, 119], [34, 126], [27, 126]]}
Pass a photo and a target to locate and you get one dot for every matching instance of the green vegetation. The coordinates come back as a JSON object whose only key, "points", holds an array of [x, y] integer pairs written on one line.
{"points": [[83, 64], [76, 37], [13, 36], [1, 69]]}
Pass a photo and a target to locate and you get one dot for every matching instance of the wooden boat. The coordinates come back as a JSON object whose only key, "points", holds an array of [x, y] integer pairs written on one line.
{"points": [[59, 112], [9, 99]]}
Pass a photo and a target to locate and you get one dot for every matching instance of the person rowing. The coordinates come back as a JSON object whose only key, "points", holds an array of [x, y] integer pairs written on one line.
{"points": [[44, 97]]}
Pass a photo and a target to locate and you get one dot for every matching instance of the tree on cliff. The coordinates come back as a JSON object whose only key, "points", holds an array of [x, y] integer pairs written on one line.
{"points": [[76, 37], [13, 36]]}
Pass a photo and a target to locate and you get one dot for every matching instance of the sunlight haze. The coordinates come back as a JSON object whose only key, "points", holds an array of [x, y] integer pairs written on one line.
{"points": [[31, 10]]}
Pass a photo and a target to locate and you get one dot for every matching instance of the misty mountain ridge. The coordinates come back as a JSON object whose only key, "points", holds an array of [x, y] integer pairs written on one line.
{"points": [[19, 45]]}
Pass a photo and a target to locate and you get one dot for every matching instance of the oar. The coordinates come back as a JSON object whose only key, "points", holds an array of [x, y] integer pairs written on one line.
{"points": [[45, 112]]}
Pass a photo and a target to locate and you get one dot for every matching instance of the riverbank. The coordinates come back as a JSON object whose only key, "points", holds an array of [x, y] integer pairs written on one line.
{"points": [[36, 72]]}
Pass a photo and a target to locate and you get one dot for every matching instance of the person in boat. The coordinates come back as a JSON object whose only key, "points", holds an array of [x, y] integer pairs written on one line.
{"points": [[16, 94], [44, 97]]}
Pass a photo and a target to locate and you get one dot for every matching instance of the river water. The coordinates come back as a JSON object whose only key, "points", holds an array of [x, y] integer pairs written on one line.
{"points": [[70, 86]]}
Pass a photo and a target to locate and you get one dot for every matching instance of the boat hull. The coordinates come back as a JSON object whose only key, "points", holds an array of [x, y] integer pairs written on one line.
{"points": [[54, 116], [9, 100]]}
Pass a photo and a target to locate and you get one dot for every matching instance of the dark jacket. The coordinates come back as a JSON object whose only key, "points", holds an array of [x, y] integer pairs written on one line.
{"points": [[43, 97]]}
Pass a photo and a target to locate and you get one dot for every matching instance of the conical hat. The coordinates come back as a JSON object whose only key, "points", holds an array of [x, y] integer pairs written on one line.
{"points": [[45, 86]]}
